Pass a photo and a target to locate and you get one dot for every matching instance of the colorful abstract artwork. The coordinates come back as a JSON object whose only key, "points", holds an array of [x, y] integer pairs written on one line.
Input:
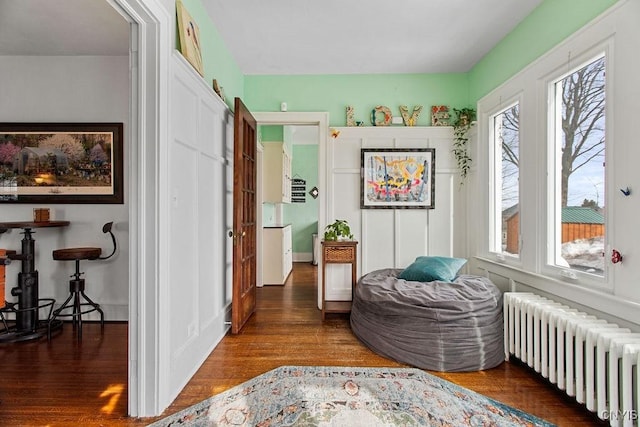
{"points": [[398, 178]]}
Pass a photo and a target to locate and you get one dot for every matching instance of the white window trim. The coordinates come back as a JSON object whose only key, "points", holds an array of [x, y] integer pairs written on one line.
{"points": [[495, 181], [549, 264], [530, 86]]}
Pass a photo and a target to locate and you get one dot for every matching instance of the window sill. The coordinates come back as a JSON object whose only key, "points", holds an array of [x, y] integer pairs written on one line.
{"points": [[597, 299]]}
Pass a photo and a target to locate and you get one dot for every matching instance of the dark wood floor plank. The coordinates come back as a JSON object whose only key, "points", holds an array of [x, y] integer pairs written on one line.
{"points": [[64, 383]]}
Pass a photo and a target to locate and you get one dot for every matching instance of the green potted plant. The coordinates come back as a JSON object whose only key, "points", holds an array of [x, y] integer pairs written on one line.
{"points": [[461, 125], [339, 230]]}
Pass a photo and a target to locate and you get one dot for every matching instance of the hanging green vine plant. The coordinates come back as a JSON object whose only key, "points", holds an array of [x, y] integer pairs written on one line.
{"points": [[461, 125]]}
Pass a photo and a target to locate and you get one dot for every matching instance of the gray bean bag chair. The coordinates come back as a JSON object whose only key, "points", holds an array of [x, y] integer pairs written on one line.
{"points": [[441, 326]]}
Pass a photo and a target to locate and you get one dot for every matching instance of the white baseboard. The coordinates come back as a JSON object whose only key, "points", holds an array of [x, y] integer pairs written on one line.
{"points": [[302, 257]]}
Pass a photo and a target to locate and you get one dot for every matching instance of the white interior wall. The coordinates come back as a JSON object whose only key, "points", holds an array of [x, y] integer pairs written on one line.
{"points": [[392, 238], [71, 89], [200, 197], [618, 295]]}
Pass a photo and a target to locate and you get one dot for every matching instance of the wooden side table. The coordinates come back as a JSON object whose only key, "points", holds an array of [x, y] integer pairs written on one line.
{"points": [[338, 252]]}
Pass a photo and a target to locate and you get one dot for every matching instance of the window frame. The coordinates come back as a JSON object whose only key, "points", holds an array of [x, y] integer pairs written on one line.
{"points": [[553, 212], [617, 300], [495, 184], [532, 97]]}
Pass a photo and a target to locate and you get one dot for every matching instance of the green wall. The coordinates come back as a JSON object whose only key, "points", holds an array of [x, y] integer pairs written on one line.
{"points": [[545, 27], [216, 58], [271, 133], [549, 24], [303, 216], [333, 93]]}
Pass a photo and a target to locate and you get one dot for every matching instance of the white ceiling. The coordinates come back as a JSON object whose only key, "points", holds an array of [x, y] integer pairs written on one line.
{"points": [[357, 37], [62, 27], [288, 36]]}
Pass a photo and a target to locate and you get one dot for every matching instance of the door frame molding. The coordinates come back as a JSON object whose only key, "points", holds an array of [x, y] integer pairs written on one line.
{"points": [[320, 119], [151, 44]]}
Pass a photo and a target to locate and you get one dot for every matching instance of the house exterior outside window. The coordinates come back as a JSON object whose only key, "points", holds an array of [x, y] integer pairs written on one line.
{"points": [[505, 138], [576, 220]]}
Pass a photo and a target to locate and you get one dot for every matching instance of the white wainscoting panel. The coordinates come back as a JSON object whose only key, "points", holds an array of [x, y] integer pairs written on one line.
{"points": [[183, 235], [346, 187], [198, 249], [443, 224], [377, 244], [391, 238], [412, 236], [228, 216], [210, 229]]}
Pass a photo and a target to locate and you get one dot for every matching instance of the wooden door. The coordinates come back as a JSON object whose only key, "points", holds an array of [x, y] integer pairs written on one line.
{"points": [[243, 301]]}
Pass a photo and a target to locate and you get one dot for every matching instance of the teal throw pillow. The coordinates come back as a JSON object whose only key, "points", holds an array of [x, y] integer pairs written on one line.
{"points": [[430, 268]]}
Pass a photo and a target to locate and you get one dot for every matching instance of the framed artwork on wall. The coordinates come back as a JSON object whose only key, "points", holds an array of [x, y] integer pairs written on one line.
{"points": [[397, 178], [189, 35], [61, 163]]}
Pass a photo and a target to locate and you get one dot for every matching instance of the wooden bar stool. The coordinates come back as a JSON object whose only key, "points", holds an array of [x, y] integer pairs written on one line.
{"points": [[78, 303]]}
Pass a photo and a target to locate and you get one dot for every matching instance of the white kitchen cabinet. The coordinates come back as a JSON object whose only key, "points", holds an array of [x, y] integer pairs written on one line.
{"points": [[277, 259], [276, 173]]}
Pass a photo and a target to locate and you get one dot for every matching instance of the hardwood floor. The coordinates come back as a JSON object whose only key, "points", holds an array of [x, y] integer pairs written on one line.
{"points": [[63, 383]]}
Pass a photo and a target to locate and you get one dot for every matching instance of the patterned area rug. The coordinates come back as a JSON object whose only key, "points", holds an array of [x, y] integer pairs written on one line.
{"points": [[343, 396]]}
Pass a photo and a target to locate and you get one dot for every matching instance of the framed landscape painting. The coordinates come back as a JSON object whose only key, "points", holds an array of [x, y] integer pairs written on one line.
{"points": [[398, 178], [61, 163]]}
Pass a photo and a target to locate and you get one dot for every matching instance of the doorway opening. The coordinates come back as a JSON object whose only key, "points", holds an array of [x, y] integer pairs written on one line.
{"points": [[289, 204], [295, 119]]}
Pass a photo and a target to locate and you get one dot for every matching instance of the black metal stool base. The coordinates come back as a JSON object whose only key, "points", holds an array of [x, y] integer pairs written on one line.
{"points": [[44, 328], [10, 333], [76, 304]]}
